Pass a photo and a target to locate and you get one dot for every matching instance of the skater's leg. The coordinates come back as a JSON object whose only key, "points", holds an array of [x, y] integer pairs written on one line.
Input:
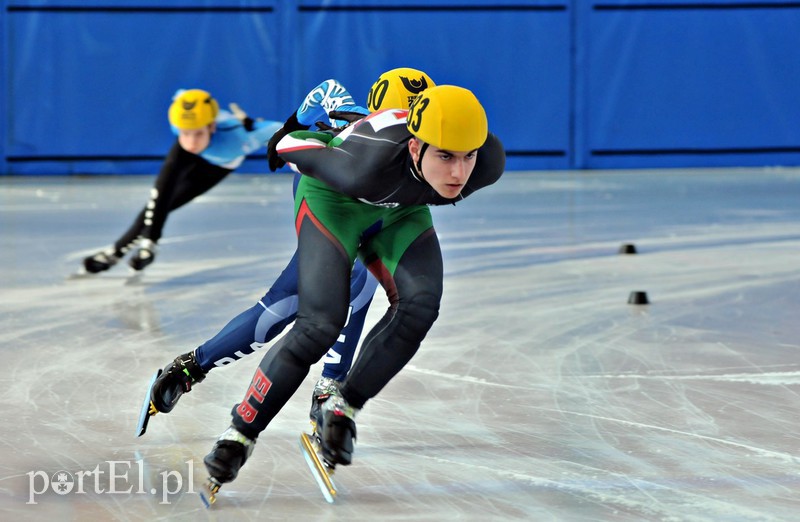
{"points": [[415, 290], [330, 227], [175, 166], [340, 356], [247, 333], [323, 285], [183, 177], [176, 162], [252, 329]]}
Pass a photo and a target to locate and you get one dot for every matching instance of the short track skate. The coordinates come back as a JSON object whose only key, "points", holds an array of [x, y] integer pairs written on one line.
{"points": [[320, 468], [148, 410]]}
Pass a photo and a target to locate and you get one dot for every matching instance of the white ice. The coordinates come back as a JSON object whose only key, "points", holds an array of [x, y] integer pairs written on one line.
{"points": [[539, 394]]}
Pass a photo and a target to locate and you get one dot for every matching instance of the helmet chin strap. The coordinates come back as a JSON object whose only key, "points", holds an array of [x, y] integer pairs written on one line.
{"points": [[423, 147]]}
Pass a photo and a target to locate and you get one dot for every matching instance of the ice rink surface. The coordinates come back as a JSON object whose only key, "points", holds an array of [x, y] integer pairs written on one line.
{"points": [[540, 394]]}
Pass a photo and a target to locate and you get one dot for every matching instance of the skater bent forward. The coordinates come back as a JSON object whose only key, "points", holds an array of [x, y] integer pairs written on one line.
{"points": [[211, 143], [365, 193], [257, 326]]}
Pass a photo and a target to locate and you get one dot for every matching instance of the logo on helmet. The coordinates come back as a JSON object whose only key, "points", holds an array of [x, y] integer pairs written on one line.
{"points": [[192, 109], [415, 86]]}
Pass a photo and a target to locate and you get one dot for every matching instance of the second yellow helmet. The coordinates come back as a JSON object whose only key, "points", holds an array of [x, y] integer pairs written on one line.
{"points": [[396, 89], [193, 109]]}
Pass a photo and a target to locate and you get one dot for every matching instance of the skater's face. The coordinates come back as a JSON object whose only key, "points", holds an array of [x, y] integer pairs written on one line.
{"points": [[446, 171], [196, 140]]}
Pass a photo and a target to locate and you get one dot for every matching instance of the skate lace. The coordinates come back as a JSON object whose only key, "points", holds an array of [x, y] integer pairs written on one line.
{"points": [[325, 387], [340, 407]]}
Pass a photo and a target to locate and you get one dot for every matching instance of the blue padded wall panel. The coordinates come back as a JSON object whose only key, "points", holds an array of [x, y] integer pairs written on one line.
{"points": [[692, 84], [566, 83], [516, 60], [95, 84]]}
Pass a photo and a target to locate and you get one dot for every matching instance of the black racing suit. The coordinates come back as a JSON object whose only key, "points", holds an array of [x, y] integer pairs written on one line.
{"points": [[359, 197]]}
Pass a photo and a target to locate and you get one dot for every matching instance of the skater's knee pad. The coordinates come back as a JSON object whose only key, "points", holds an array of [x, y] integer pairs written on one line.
{"points": [[314, 338], [417, 314]]}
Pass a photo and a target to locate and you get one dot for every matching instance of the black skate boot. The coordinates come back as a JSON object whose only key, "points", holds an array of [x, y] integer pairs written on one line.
{"points": [[324, 388], [144, 256], [229, 454], [101, 261], [177, 378], [338, 431]]}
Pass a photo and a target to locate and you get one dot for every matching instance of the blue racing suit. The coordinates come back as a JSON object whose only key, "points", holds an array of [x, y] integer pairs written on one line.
{"points": [[184, 176]]}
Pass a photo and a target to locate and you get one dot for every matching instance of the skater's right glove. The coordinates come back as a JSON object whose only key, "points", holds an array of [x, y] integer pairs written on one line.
{"points": [[291, 125], [348, 116], [344, 118], [242, 116]]}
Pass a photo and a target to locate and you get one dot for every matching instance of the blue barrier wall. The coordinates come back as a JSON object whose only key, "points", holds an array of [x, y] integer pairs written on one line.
{"points": [[566, 83], [669, 83]]}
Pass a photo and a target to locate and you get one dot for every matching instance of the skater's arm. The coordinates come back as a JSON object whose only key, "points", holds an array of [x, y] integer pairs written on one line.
{"points": [[328, 96], [313, 154]]}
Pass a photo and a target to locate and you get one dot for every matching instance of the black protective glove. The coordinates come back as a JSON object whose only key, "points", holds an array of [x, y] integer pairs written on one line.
{"points": [[324, 127], [291, 125], [347, 116]]}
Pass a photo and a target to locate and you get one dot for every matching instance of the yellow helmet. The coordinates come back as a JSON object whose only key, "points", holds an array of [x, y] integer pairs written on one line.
{"points": [[193, 109], [396, 89], [448, 117]]}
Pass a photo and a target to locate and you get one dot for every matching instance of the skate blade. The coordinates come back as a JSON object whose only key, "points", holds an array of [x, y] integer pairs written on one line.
{"points": [[148, 410], [320, 470], [209, 496]]}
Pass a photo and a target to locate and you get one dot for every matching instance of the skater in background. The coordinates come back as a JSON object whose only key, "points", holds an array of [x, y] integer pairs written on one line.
{"points": [[328, 105], [365, 193], [211, 143]]}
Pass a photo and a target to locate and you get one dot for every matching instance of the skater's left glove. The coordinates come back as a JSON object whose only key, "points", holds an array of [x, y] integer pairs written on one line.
{"points": [[324, 127], [347, 116], [291, 125]]}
